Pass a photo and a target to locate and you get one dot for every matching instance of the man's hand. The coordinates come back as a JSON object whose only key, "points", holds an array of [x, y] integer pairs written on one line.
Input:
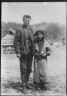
{"points": [[18, 55]]}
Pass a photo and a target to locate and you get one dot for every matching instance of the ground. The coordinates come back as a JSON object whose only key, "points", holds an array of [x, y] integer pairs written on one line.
{"points": [[11, 81]]}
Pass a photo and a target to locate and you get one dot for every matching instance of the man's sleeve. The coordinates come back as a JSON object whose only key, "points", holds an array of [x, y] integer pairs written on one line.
{"points": [[32, 34], [17, 42]]}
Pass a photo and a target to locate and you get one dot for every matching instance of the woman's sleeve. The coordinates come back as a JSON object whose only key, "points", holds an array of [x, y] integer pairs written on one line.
{"points": [[48, 49]]}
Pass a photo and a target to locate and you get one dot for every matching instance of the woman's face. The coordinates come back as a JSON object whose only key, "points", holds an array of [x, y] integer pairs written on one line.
{"points": [[39, 35]]}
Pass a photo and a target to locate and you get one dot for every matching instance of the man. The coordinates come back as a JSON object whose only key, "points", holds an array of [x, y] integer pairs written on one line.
{"points": [[23, 43]]}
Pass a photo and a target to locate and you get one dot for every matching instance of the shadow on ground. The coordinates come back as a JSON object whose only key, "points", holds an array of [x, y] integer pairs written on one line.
{"points": [[56, 86], [15, 85]]}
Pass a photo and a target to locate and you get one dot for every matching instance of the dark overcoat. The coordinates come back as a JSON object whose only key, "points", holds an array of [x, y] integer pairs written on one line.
{"points": [[23, 40]]}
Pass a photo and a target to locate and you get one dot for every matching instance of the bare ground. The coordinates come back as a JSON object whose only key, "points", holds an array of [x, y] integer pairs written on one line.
{"points": [[11, 81]]}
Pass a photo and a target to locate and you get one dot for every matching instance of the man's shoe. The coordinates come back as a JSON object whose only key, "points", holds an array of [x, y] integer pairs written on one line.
{"points": [[25, 91], [29, 87]]}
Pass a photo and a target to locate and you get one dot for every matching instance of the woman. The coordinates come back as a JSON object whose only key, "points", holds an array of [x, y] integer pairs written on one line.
{"points": [[41, 51]]}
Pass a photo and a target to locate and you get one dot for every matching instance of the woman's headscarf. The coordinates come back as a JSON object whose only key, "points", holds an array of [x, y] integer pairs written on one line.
{"points": [[36, 34]]}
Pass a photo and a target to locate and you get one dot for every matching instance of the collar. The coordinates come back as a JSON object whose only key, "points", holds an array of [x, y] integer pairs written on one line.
{"points": [[24, 26]]}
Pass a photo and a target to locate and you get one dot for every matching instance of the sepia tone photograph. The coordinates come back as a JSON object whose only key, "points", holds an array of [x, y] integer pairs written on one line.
{"points": [[33, 48]]}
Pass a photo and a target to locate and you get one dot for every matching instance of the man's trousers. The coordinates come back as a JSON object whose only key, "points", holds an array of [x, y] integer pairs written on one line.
{"points": [[25, 67]]}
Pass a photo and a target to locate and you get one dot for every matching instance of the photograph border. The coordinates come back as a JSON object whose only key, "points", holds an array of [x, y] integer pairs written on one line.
{"points": [[66, 34]]}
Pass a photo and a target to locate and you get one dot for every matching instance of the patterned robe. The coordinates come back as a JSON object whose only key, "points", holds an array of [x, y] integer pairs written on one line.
{"points": [[41, 66]]}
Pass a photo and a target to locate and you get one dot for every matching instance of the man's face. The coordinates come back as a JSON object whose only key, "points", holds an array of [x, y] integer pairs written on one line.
{"points": [[26, 21]]}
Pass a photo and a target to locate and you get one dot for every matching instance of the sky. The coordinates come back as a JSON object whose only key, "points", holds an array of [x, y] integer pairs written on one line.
{"points": [[39, 12]]}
